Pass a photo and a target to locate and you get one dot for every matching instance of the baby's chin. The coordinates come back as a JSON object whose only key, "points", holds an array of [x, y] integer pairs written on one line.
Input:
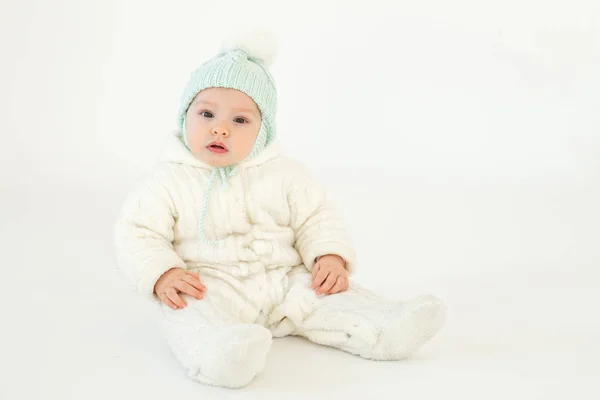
{"points": [[220, 161]]}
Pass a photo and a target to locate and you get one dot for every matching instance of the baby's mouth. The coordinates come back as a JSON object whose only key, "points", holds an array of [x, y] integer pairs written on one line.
{"points": [[217, 148]]}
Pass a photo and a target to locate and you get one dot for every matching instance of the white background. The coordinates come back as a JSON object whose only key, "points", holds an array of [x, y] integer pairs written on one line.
{"points": [[461, 140]]}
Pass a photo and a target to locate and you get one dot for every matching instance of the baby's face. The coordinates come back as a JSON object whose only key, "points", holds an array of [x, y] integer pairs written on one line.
{"points": [[221, 126]]}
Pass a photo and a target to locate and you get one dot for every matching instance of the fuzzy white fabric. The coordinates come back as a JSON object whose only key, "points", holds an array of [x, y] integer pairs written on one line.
{"points": [[273, 221], [260, 45]]}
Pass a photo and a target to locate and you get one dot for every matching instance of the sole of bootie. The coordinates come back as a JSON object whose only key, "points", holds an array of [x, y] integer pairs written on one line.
{"points": [[412, 324]]}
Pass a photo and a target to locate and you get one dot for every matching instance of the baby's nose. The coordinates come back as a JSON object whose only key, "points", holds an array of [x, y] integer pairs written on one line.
{"points": [[220, 130]]}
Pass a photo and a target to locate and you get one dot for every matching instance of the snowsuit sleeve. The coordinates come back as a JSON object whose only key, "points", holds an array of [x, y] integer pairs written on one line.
{"points": [[318, 227], [143, 236]]}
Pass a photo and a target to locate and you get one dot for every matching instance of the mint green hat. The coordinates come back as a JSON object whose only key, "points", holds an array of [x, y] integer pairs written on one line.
{"points": [[242, 64]]}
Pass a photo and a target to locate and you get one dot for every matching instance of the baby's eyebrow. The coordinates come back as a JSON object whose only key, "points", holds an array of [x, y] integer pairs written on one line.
{"points": [[249, 110], [208, 103], [203, 102]]}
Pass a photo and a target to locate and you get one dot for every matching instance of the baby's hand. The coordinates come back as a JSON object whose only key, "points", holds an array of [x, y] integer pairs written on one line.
{"points": [[329, 275], [178, 280]]}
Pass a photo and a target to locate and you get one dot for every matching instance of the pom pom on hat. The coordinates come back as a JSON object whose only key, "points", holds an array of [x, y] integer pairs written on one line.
{"points": [[259, 45]]}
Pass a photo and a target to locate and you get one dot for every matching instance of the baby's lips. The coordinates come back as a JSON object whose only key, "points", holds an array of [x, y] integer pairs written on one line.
{"points": [[219, 144]]}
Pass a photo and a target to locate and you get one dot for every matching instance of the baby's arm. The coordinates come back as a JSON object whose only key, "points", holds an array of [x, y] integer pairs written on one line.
{"points": [[318, 227], [143, 236]]}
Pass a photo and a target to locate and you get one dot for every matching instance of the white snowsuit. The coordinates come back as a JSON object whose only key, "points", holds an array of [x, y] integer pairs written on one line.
{"points": [[273, 220]]}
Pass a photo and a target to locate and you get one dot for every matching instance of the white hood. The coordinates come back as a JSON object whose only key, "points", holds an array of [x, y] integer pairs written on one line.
{"points": [[175, 150]]}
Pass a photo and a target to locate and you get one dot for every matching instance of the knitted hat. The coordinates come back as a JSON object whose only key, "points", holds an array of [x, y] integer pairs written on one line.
{"points": [[242, 65]]}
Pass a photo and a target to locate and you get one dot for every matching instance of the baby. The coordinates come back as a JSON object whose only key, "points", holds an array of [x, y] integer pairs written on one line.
{"points": [[239, 244]]}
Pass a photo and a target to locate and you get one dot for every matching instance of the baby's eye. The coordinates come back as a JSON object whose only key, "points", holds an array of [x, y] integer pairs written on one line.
{"points": [[240, 120], [206, 114]]}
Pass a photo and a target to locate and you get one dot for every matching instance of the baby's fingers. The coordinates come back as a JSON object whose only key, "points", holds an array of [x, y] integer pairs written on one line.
{"points": [[328, 284], [340, 285], [315, 270], [195, 282], [171, 293], [320, 277], [187, 288], [192, 273], [163, 297]]}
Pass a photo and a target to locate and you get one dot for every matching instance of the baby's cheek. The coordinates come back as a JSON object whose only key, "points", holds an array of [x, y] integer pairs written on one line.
{"points": [[243, 148]]}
